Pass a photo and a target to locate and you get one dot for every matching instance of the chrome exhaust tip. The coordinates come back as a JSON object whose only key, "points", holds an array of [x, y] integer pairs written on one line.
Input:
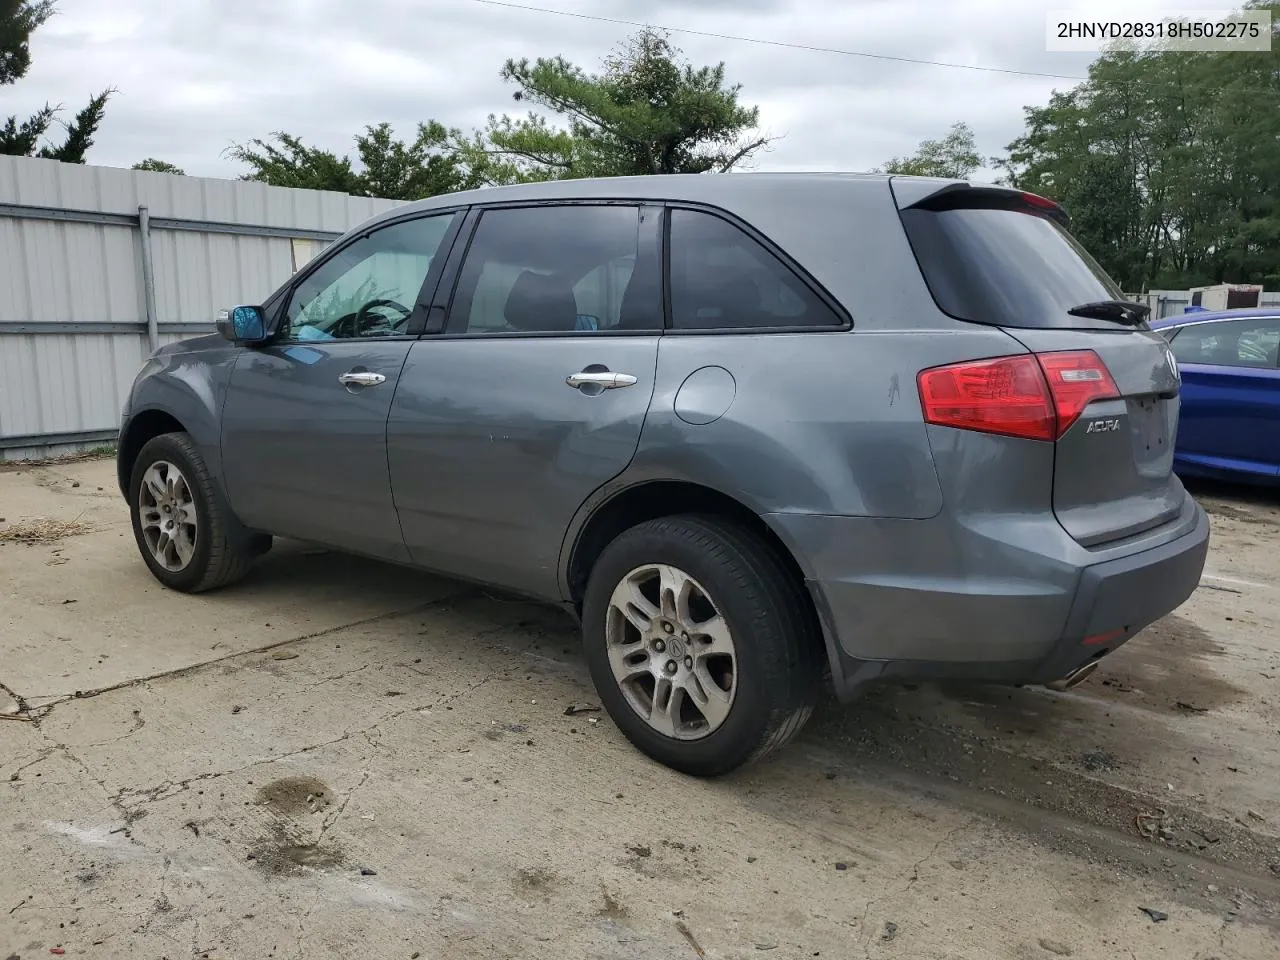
{"points": [[1071, 679]]}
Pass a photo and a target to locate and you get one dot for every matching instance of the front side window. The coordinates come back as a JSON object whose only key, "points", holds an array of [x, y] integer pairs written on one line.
{"points": [[721, 278], [574, 269], [369, 288], [1235, 343]]}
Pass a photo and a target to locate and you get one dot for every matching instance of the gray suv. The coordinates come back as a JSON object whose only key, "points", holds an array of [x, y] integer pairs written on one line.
{"points": [[752, 429]]}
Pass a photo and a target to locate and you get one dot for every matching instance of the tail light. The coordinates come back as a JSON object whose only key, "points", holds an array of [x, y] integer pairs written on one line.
{"points": [[1036, 396], [1076, 378]]}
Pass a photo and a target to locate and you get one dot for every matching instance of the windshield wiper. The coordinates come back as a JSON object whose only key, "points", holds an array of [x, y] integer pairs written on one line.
{"points": [[1119, 311]]}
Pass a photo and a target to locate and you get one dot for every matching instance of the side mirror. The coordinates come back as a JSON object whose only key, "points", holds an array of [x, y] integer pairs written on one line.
{"points": [[243, 325]]}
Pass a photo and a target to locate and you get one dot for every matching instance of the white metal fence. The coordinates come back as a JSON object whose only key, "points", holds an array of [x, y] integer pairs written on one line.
{"points": [[1169, 303], [99, 265]]}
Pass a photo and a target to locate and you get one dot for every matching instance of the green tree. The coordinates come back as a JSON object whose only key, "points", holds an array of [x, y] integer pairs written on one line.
{"points": [[159, 166], [647, 111], [18, 20], [284, 160], [27, 138], [1169, 164], [954, 156], [383, 165], [409, 171]]}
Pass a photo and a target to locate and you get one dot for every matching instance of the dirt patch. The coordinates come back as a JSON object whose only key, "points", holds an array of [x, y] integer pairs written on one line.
{"points": [[535, 882], [892, 747], [41, 531], [282, 854], [1165, 668], [295, 796], [1230, 511], [1099, 761], [19, 466]]}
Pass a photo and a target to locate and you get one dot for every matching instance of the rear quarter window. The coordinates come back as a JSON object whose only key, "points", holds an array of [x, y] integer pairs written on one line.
{"points": [[1009, 268], [723, 279]]}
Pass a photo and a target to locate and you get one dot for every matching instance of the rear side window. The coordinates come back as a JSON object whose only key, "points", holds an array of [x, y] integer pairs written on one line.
{"points": [[722, 279], [1008, 267], [1235, 343]]}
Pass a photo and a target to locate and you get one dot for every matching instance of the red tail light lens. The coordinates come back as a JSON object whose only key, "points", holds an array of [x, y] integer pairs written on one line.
{"points": [[1034, 396], [1007, 395], [1076, 379]]}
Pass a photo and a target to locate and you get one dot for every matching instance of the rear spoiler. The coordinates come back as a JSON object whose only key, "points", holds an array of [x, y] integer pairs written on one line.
{"points": [[927, 193]]}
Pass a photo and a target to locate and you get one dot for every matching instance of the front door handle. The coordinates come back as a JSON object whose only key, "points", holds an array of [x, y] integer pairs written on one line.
{"points": [[361, 378], [604, 380]]}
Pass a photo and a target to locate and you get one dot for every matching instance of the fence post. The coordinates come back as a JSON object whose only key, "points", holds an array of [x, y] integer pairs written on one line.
{"points": [[148, 278]]}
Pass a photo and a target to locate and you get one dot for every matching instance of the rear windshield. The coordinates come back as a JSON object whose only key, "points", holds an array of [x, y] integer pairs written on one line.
{"points": [[1006, 267]]}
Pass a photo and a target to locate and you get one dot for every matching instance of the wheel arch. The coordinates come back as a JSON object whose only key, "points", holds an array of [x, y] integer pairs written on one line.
{"points": [[649, 500], [141, 427]]}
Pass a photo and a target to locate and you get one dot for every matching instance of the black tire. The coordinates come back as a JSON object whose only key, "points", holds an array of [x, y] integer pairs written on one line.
{"points": [[777, 644], [223, 549]]}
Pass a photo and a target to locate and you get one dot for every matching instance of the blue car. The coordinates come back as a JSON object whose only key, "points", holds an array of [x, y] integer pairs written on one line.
{"points": [[1229, 426]]}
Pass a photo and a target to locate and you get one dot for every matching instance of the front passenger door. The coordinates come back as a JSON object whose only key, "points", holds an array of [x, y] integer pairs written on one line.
{"points": [[304, 428]]}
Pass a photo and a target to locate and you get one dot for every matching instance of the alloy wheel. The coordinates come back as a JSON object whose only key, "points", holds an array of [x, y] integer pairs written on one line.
{"points": [[167, 514], [671, 651]]}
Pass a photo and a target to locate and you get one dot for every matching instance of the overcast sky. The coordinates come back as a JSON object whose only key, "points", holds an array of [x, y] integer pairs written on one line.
{"points": [[194, 76]]}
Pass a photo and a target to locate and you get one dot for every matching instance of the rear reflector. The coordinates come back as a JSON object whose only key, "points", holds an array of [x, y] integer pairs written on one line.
{"points": [[1036, 396], [1107, 637]]}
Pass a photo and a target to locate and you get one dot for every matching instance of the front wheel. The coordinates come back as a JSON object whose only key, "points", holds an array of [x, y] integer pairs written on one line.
{"points": [[184, 530], [701, 643]]}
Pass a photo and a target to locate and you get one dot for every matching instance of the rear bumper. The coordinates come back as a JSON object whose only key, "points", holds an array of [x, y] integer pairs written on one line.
{"points": [[1118, 598], [911, 599]]}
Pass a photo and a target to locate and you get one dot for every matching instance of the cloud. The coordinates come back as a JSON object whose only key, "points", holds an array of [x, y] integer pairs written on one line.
{"points": [[195, 77]]}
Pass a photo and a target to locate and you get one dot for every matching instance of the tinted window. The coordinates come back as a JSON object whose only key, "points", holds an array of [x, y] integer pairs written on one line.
{"points": [[1236, 343], [722, 278], [1006, 267], [370, 287], [570, 269]]}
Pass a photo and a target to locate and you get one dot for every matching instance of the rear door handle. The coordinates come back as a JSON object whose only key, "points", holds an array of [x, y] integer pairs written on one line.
{"points": [[607, 380], [361, 378]]}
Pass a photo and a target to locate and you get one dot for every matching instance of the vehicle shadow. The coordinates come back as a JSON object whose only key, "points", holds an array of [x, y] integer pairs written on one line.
{"points": [[1165, 674]]}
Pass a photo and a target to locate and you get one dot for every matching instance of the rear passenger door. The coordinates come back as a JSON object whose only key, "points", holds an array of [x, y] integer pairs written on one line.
{"points": [[745, 370], [1230, 392], [534, 394]]}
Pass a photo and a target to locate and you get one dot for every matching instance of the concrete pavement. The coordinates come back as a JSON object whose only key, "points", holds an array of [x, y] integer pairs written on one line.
{"points": [[342, 758]]}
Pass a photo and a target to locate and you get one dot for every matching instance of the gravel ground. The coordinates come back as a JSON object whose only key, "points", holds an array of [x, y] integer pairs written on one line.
{"points": [[341, 758]]}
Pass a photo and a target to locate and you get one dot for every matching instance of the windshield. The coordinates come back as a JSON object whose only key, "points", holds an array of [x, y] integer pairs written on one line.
{"points": [[1006, 267]]}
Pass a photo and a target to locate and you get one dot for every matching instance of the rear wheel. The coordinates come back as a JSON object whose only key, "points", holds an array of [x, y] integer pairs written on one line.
{"points": [[701, 643], [184, 530]]}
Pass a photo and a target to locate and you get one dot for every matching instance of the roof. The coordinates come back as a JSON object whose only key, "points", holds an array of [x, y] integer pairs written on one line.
{"points": [[714, 188], [843, 229], [1202, 316]]}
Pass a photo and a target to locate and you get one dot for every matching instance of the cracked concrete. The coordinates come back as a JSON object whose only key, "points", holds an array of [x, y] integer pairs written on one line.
{"points": [[344, 759]]}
